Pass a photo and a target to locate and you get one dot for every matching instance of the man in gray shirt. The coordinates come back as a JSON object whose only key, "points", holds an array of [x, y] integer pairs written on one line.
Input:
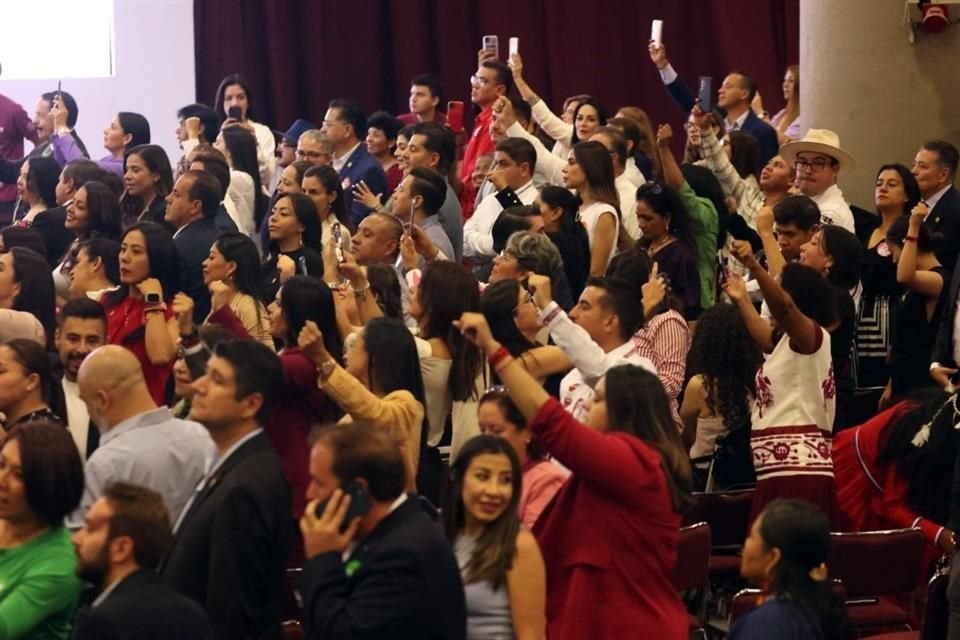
{"points": [[140, 443]]}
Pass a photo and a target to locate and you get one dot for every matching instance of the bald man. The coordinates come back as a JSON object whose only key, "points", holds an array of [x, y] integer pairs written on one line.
{"points": [[140, 442]]}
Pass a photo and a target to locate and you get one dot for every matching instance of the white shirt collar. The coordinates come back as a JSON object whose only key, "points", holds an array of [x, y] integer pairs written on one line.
{"points": [[935, 198], [338, 163], [737, 124]]}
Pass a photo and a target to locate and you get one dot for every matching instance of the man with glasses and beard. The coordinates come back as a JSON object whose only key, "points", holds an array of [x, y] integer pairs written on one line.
{"points": [[125, 535]]}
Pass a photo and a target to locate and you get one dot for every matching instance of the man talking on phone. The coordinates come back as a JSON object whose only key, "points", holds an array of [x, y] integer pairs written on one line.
{"points": [[377, 565]]}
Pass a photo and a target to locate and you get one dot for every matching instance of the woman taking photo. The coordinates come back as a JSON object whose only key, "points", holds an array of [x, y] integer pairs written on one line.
{"points": [[149, 180], [558, 208], [503, 574], [239, 147], [29, 390], [615, 533], [589, 170], [303, 404], [294, 247], [380, 383], [36, 187], [499, 416], [125, 131], [96, 269], [41, 482], [138, 315], [26, 286], [786, 553], [234, 93], [322, 185], [921, 307], [93, 213], [232, 270], [896, 194]]}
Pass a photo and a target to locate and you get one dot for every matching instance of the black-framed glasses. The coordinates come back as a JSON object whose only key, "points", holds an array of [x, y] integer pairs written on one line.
{"points": [[815, 166], [527, 299]]}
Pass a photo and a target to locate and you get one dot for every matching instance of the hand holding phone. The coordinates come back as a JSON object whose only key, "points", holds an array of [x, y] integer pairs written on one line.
{"points": [[656, 32], [359, 504], [492, 44], [235, 113], [514, 46]]}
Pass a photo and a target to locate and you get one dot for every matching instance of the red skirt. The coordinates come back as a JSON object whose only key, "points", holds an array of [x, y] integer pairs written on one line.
{"points": [[817, 490]]}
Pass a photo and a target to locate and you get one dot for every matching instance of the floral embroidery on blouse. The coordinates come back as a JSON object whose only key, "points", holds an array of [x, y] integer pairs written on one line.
{"points": [[764, 393]]}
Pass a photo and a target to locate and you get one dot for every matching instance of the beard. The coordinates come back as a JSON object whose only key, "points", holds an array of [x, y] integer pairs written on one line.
{"points": [[94, 571]]}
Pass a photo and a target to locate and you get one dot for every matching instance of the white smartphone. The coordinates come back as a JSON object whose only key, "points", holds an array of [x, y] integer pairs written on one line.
{"points": [[514, 46], [492, 44], [656, 32]]}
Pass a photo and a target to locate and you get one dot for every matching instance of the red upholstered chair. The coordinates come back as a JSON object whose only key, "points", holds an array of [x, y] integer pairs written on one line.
{"points": [[727, 514], [692, 571], [935, 612], [291, 630], [745, 600], [875, 566]]}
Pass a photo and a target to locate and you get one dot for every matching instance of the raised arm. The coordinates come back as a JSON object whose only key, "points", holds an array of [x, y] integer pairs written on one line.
{"points": [[765, 223], [926, 283], [554, 127], [548, 165], [668, 164], [760, 330]]}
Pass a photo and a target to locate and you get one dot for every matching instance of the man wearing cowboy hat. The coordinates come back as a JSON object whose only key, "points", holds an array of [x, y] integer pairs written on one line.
{"points": [[818, 160], [935, 168]]}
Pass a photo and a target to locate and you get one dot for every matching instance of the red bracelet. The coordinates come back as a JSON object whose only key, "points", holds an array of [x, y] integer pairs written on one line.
{"points": [[498, 356], [910, 238]]}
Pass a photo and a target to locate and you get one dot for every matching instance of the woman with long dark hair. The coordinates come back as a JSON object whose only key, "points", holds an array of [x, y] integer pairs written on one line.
{"points": [[138, 313], [723, 363], [626, 521], [125, 131], [239, 147], [96, 269], [294, 242], [589, 170], [234, 92], [559, 210], [303, 405], [29, 389], [149, 180], [322, 185], [380, 383], [93, 213], [36, 188], [26, 286], [786, 553], [503, 574], [896, 194], [918, 315], [499, 416], [896, 469], [232, 271]]}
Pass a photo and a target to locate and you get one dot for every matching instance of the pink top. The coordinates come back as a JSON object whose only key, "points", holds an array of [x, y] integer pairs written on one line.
{"points": [[541, 481]]}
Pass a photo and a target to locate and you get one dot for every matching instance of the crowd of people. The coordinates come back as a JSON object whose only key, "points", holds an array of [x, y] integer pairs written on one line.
{"points": [[465, 381]]}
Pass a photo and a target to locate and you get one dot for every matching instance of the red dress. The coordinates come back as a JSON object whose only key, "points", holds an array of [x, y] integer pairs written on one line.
{"points": [[125, 327], [873, 496], [609, 538]]}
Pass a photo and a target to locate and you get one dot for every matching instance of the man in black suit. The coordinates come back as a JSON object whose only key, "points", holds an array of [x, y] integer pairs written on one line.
{"points": [[125, 535], [346, 127], [389, 572], [944, 360], [191, 208], [734, 98], [233, 537], [935, 168]]}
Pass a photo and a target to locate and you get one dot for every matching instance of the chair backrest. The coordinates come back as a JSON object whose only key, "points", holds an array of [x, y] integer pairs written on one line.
{"points": [[727, 514], [744, 601], [936, 610], [291, 630], [692, 570], [876, 563]]}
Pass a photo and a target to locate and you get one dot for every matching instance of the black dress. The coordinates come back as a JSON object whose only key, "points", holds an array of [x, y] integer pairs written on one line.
{"points": [[679, 263], [881, 292], [913, 338], [308, 263]]}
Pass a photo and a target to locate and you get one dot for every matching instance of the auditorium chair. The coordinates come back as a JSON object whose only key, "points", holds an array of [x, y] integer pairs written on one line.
{"points": [[745, 600], [692, 571], [727, 514], [935, 612], [291, 630]]}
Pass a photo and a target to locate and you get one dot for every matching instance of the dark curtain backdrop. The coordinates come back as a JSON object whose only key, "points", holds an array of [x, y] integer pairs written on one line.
{"points": [[299, 54]]}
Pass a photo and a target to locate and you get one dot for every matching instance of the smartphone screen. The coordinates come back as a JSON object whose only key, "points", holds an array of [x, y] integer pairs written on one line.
{"points": [[706, 94], [455, 116]]}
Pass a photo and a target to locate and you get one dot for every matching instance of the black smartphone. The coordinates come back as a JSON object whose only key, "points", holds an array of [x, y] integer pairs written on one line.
{"points": [[236, 113], [359, 504], [722, 271], [706, 94]]}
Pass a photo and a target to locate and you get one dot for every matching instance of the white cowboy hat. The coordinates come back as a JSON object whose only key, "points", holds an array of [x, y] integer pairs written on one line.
{"points": [[818, 141]]}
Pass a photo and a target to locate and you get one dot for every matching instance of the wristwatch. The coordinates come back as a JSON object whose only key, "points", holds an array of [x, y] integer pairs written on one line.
{"points": [[153, 298]]}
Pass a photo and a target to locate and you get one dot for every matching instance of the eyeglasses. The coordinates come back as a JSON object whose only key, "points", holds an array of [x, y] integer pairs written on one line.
{"points": [[527, 299], [480, 80], [816, 166], [312, 155], [507, 255]]}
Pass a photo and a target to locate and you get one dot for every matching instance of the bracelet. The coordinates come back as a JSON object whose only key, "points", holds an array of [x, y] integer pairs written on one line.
{"points": [[910, 238], [152, 308], [547, 319], [362, 292], [498, 356]]}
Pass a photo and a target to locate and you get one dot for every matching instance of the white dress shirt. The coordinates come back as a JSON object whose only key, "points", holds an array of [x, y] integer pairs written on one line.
{"points": [[628, 205], [633, 173], [478, 230], [834, 208]]}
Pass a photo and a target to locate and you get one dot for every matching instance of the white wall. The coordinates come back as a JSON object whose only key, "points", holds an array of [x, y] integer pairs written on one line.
{"points": [[154, 74]]}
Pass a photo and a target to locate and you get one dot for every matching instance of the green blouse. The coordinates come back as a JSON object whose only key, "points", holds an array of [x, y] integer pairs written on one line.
{"points": [[706, 225], [39, 588]]}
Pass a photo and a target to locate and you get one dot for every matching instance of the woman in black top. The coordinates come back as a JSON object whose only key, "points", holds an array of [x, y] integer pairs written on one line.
{"points": [[148, 179], [294, 242], [558, 208], [920, 310]]}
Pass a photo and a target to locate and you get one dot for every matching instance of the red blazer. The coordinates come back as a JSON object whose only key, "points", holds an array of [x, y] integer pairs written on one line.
{"points": [[609, 539]]}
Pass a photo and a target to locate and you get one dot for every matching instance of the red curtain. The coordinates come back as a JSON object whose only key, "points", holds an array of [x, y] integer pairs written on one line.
{"points": [[299, 54]]}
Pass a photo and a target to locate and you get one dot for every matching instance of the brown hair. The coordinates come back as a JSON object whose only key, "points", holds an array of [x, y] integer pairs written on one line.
{"points": [[363, 451], [140, 514]]}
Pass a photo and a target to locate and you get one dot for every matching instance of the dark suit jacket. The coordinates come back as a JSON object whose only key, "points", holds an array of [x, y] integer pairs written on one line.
{"points": [[145, 607], [223, 220], [56, 237], [945, 220], [361, 166], [404, 583], [943, 347], [763, 132], [193, 244], [232, 546]]}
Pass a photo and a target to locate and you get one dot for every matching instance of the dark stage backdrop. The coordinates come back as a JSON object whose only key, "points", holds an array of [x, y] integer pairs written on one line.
{"points": [[299, 54]]}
